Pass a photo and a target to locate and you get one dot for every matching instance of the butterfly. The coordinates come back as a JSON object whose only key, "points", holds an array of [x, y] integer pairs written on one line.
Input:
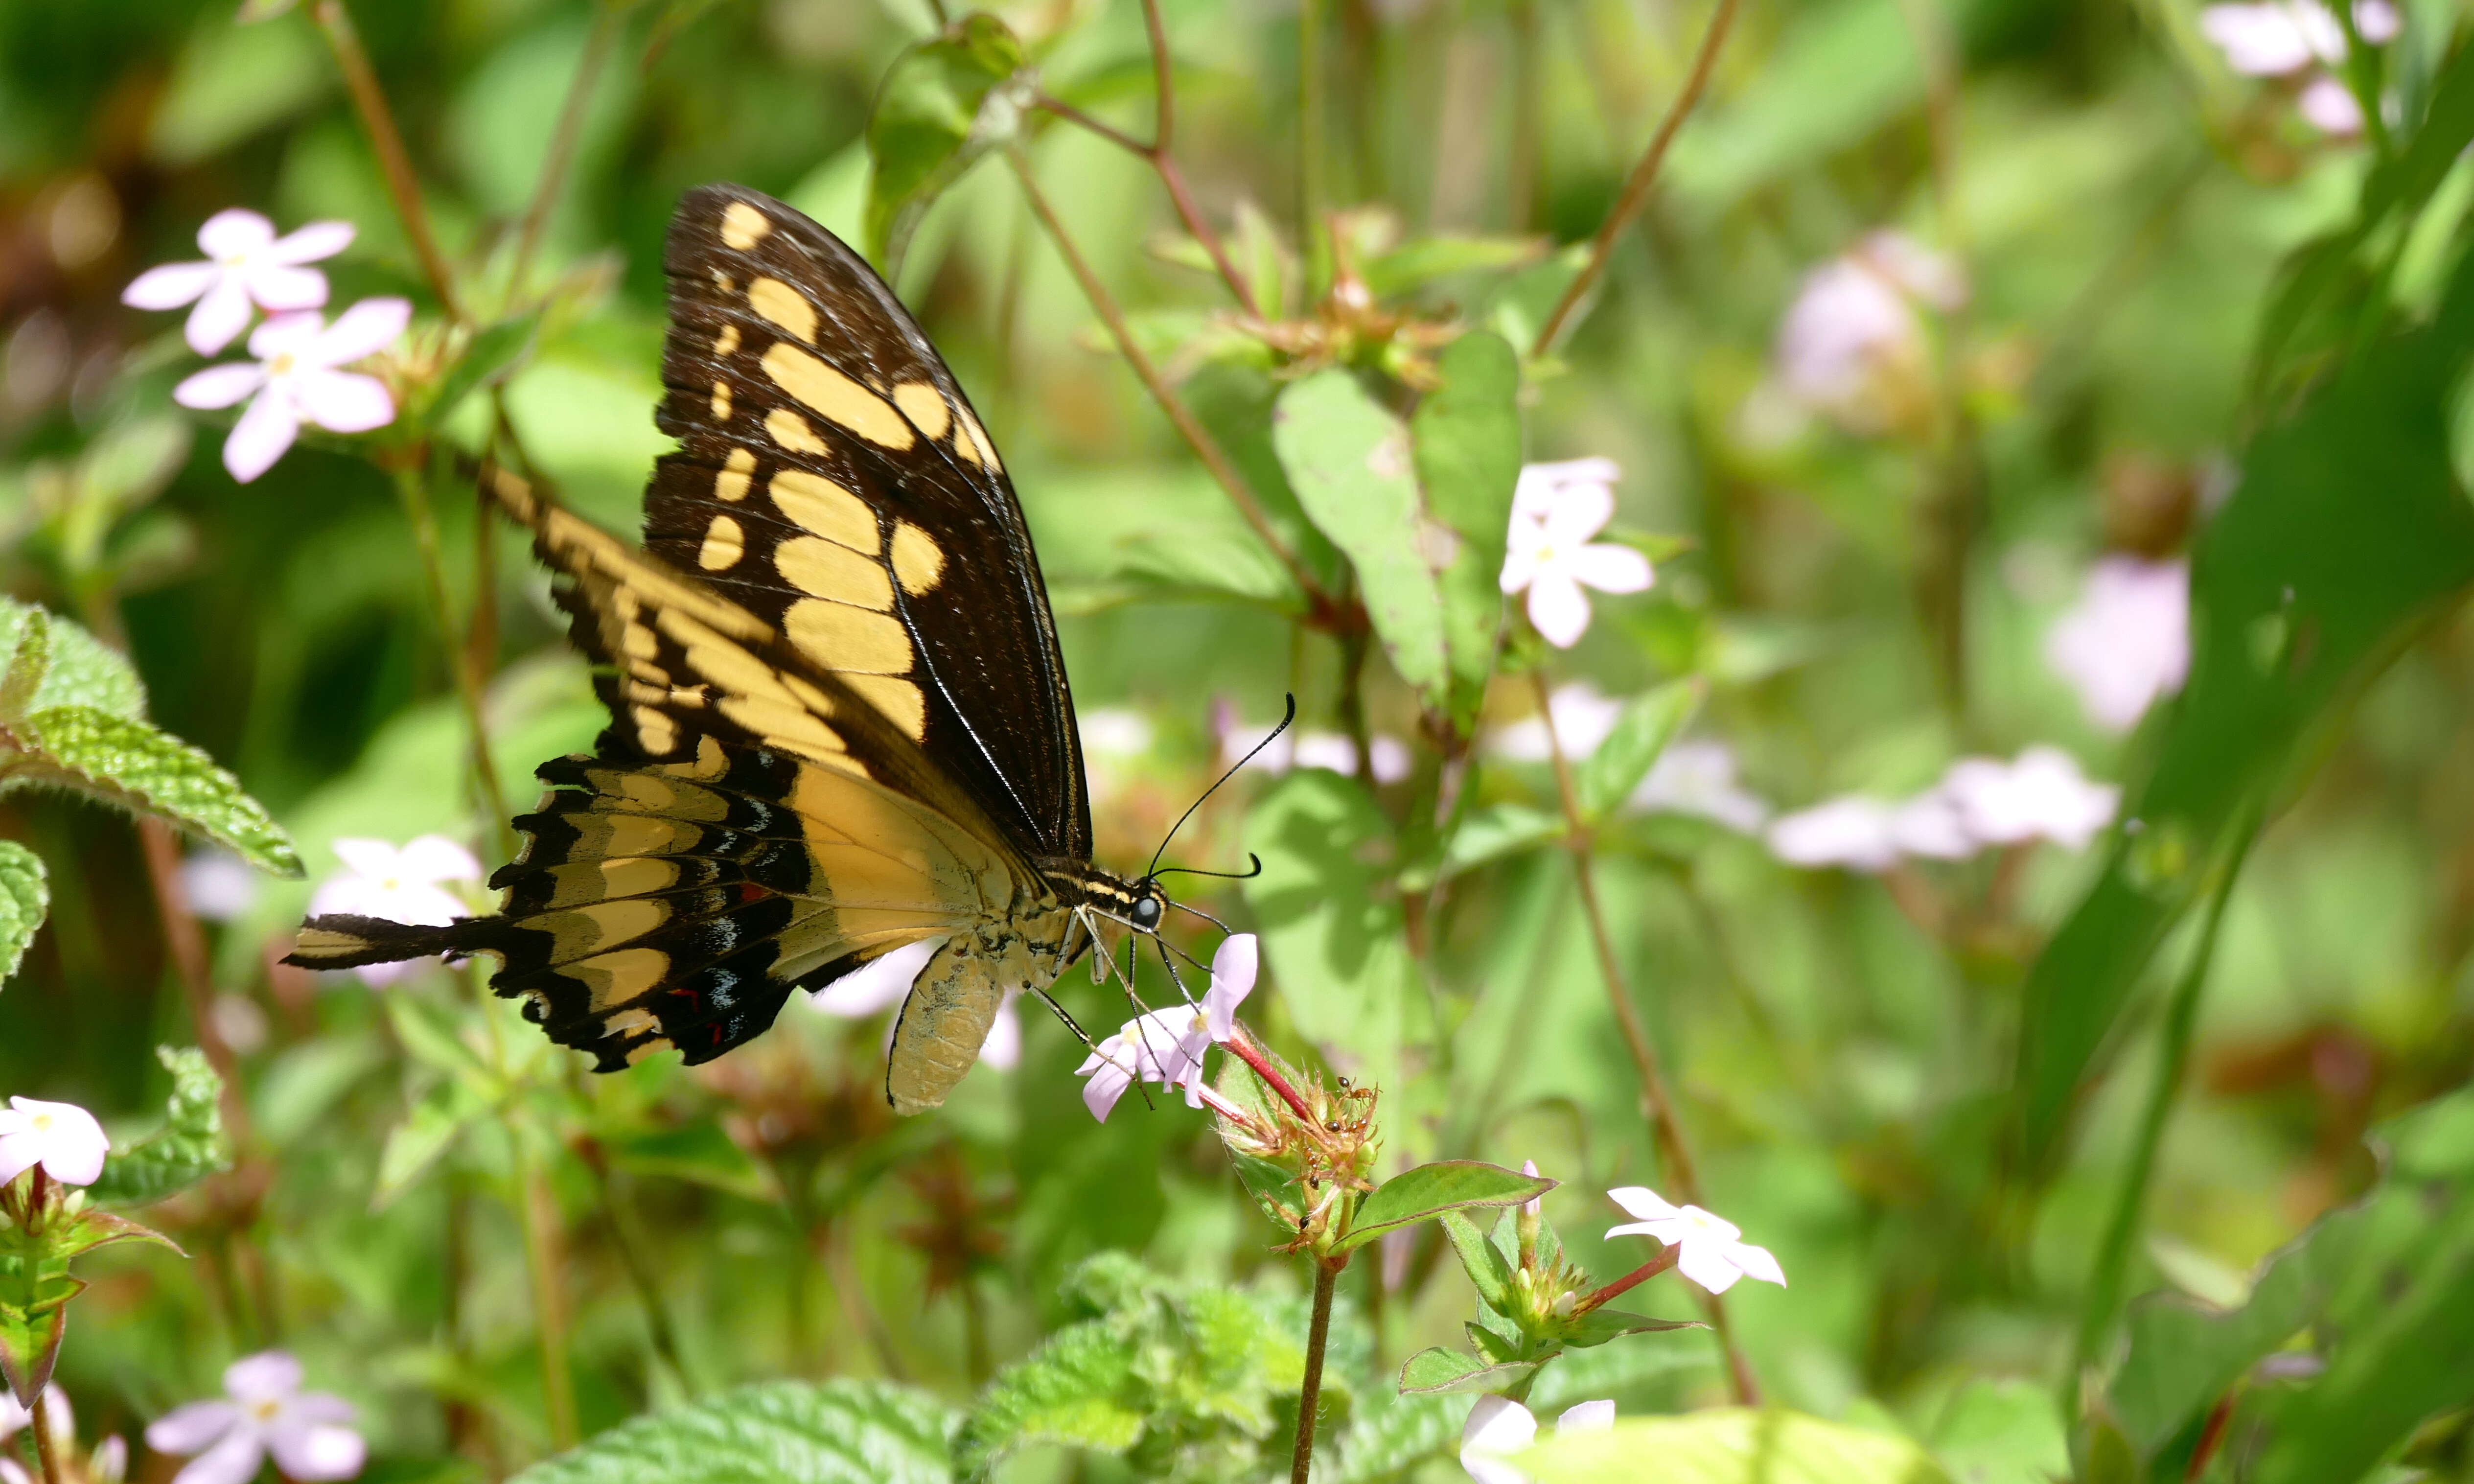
{"points": [[842, 740]]}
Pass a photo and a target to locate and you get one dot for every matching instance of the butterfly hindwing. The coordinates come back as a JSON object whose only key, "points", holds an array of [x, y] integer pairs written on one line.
{"points": [[833, 481]]}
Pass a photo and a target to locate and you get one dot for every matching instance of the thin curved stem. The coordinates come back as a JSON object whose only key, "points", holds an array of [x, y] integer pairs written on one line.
{"points": [[563, 140], [412, 485], [1644, 171], [395, 162]]}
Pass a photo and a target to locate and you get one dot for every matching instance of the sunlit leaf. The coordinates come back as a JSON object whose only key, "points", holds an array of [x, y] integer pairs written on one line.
{"points": [[780, 1432], [25, 899], [1429, 1190], [1467, 434], [1442, 1370], [126, 762], [1647, 723], [1728, 1446], [942, 105]]}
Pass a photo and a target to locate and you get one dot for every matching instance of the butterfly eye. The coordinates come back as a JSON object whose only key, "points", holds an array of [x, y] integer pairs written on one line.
{"points": [[1147, 912]]}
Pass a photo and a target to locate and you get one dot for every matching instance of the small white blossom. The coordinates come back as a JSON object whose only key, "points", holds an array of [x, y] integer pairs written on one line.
{"points": [[2292, 38], [297, 377], [219, 885], [1555, 508], [1698, 777], [2043, 795], [1168, 1046], [1865, 834], [246, 264], [2330, 106], [1498, 1425], [1854, 346], [61, 1137], [1583, 719], [2127, 639], [1713, 1255], [267, 1412], [406, 886]]}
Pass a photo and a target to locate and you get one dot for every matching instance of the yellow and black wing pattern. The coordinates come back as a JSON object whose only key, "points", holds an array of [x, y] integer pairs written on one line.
{"points": [[840, 720]]}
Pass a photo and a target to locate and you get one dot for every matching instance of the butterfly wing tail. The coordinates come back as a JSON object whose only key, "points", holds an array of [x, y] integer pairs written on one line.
{"points": [[342, 940]]}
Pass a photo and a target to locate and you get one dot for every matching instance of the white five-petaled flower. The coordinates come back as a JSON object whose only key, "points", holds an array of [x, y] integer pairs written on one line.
{"points": [[1713, 1255], [407, 885], [884, 982], [298, 378], [1583, 718], [1555, 508], [1167, 1046], [1498, 1425], [267, 1412], [246, 264], [1698, 777], [2127, 640], [2043, 795], [61, 1137]]}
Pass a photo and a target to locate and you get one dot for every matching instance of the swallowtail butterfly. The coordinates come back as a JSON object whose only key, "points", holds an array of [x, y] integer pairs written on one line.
{"points": [[842, 740]]}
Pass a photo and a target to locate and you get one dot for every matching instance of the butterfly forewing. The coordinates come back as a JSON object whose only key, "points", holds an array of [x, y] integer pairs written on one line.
{"points": [[832, 480]]}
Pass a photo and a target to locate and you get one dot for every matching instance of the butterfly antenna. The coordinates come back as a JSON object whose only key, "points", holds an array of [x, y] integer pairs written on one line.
{"points": [[1187, 870], [1290, 716], [1204, 916]]}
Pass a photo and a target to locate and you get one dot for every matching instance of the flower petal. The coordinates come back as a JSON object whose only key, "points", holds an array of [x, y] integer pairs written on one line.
{"points": [[18, 1153], [317, 1452], [191, 1429], [1587, 1417], [170, 285], [74, 1150], [234, 1460], [286, 334], [221, 315], [235, 232], [1611, 569], [269, 1376], [1108, 1082], [1577, 512], [275, 286], [342, 401], [434, 858], [220, 386], [878, 984], [1644, 1203], [1233, 968], [1757, 1262], [1498, 1424], [363, 330], [1558, 608], [310, 243], [264, 431], [367, 857], [1003, 1047], [1707, 1266]]}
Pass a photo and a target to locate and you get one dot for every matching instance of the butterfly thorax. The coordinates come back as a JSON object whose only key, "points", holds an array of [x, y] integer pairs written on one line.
{"points": [[1136, 904]]}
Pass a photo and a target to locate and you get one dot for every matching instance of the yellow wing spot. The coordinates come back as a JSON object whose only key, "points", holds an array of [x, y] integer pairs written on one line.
{"points": [[785, 306], [818, 505], [791, 430], [640, 641], [838, 396], [657, 733], [613, 979], [824, 569], [726, 343], [690, 696], [809, 695], [711, 760], [978, 440], [925, 406], [730, 484], [918, 560], [722, 401], [903, 703], [840, 637], [784, 727], [629, 1021], [742, 226], [724, 544]]}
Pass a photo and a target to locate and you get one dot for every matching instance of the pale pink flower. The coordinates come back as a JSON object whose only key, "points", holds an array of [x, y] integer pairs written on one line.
{"points": [[1698, 777], [1498, 1425], [1866, 834], [61, 1137], [1168, 1046], [2043, 795], [2127, 639], [296, 378], [1555, 508], [1854, 345], [267, 1412], [2278, 38], [2330, 106], [1583, 719], [246, 264], [1714, 1257], [400, 886]]}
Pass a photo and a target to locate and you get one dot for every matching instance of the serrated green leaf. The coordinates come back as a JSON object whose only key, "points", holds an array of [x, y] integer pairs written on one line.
{"points": [[495, 354], [190, 1146], [1354, 471], [1441, 1371], [781, 1432], [701, 1152], [78, 669], [28, 664], [1728, 1446], [1643, 730], [1429, 1190], [424, 1136], [127, 763], [25, 901], [1467, 434], [943, 104], [1070, 1391]]}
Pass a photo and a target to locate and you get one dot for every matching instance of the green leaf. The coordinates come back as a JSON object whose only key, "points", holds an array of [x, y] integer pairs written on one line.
{"points": [[90, 1229], [1413, 265], [701, 1152], [495, 354], [1466, 435], [2340, 582], [1445, 1370], [1487, 1271], [1429, 1190], [28, 664], [1071, 1391], [944, 103], [126, 762], [1350, 462], [1647, 723], [190, 1146], [428, 1130], [1599, 1326], [33, 1319], [1728, 1446], [1499, 830], [76, 669], [780, 1432], [25, 899], [2001, 1432], [431, 1035]]}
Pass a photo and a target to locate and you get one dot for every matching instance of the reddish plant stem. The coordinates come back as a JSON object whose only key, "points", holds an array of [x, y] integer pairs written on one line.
{"points": [[1241, 1046], [1310, 1392], [1644, 171], [46, 1452], [369, 100], [1665, 1259], [187, 947]]}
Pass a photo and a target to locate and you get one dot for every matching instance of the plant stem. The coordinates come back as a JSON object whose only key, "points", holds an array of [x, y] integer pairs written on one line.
{"points": [[1664, 1126], [1197, 437], [1310, 1392], [625, 1236], [369, 100], [187, 947], [2172, 1062], [412, 484], [45, 1449], [1666, 1259], [1241, 1044], [563, 140], [1644, 171], [539, 1216], [1312, 235]]}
